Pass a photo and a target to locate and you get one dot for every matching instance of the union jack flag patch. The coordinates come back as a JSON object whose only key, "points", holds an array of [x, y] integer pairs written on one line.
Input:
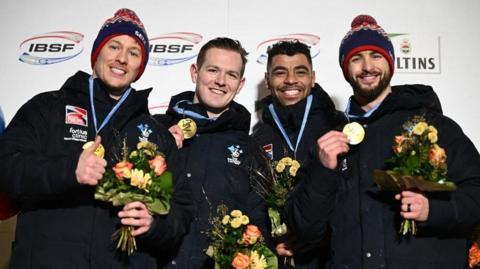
{"points": [[76, 115]]}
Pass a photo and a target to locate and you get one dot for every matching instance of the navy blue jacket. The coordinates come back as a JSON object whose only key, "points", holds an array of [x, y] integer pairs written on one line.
{"points": [[321, 118], [216, 162], [365, 221], [60, 224]]}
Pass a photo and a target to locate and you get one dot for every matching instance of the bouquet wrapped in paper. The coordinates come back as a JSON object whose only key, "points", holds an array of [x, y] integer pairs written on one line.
{"points": [[418, 163], [234, 243], [274, 185], [141, 176]]}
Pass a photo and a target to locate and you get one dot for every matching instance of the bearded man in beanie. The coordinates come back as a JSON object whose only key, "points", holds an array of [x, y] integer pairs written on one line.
{"points": [[52, 178], [365, 220]]}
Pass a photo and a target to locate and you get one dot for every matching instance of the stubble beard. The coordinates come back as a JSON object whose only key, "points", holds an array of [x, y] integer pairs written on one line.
{"points": [[367, 95]]}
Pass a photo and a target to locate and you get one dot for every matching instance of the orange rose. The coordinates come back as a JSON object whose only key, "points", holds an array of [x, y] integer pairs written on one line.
{"points": [[436, 155], [399, 139], [474, 255], [251, 235], [122, 170], [241, 261], [158, 165]]}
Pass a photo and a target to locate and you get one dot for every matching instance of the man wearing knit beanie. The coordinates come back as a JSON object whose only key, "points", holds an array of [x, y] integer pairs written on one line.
{"points": [[365, 220], [50, 175]]}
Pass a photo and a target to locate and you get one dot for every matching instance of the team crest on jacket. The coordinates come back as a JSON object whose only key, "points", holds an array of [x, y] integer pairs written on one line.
{"points": [[145, 131], [268, 150], [235, 152], [76, 115]]}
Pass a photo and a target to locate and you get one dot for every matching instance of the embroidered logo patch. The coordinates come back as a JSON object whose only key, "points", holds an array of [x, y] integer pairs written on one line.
{"points": [[76, 115], [145, 131], [235, 152], [268, 150]]}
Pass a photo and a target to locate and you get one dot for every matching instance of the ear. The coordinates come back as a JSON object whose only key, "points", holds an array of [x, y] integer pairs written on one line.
{"points": [[266, 81], [194, 73], [313, 78], [242, 82]]}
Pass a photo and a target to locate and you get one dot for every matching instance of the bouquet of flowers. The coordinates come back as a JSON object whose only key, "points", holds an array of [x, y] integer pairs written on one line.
{"points": [[142, 176], [418, 163], [274, 185], [237, 244]]}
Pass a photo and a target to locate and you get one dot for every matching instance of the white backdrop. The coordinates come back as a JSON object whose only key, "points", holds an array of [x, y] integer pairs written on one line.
{"points": [[441, 33]]}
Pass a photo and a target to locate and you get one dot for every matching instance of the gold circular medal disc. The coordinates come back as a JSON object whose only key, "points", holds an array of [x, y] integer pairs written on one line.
{"points": [[354, 132], [188, 126], [100, 151]]}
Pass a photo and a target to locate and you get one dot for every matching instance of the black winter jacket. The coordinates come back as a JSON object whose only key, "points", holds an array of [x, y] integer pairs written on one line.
{"points": [[321, 119], [215, 163], [365, 220], [60, 224]]}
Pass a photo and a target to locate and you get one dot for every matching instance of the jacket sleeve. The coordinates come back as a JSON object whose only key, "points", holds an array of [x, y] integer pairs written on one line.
{"points": [[27, 171], [460, 209], [167, 231], [309, 206]]}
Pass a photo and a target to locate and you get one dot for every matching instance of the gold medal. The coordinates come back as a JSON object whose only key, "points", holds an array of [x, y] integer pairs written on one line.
{"points": [[354, 132], [188, 126], [100, 151]]}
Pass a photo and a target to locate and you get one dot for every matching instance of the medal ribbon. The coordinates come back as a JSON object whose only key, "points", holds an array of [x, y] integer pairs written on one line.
{"points": [[110, 114], [364, 116], [302, 128], [189, 113]]}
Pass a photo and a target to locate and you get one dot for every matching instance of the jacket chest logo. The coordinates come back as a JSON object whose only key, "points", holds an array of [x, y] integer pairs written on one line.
{"points": [[145, 131], [235, 152], [268, 150], [76, 115]]}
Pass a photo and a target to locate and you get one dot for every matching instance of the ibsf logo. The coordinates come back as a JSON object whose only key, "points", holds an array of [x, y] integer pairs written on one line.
{"points": [[173, 48], [311, 40], [51, 48]]}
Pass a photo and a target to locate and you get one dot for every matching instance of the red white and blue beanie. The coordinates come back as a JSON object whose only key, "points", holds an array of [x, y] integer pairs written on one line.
{"points": [[124, 22], [365, 34]]}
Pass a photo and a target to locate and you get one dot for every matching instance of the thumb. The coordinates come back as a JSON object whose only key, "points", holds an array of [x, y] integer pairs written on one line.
{"points": [[92, 146]]}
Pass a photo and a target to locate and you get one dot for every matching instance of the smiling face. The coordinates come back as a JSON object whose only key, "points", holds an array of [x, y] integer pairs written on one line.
{"points": [[217, 80], [118, 64], [290, 78], [369, 74]]}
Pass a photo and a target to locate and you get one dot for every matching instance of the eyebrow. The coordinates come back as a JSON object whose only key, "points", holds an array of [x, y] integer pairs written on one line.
{"points": [[218, 68], [281, 67]]}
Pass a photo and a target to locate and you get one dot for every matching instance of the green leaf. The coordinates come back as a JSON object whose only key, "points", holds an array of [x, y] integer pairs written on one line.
{"points": [[165, 182], [159, 206]]}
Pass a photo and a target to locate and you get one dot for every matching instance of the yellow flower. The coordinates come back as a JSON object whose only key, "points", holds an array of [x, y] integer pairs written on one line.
{"points": [[225, 219], [432, 136], [142, 145], [286, 161], [133, 154], [280, 167], [420, 128], [245, 220], [432, 129], [140, 180], [236, 222], [147, 147], [257, 261], [293, 171], [295, 164], [236, 213]]}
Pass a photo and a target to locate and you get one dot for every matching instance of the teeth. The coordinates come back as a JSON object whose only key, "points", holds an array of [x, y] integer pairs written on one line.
{"points": [[117, 71], [217, 91], [291, 92]]}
